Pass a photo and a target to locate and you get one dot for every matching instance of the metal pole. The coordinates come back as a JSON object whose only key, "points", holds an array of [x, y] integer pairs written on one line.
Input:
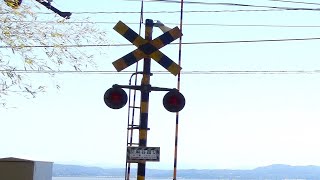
{"points": [[177, 114], [145, 84]]}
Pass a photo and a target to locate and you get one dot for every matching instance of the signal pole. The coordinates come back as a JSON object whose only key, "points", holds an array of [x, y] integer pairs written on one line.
{"points": [[144, 104]]}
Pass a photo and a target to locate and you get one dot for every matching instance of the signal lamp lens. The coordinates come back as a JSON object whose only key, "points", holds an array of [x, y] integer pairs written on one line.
{"points": [[174, 101], [115, 98]]}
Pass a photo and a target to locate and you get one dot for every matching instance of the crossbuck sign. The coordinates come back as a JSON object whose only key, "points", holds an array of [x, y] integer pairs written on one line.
{"points": [[147, 49]]}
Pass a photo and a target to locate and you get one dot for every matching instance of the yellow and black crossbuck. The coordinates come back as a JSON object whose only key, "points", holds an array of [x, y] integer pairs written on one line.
{"points": [[147, 49]]}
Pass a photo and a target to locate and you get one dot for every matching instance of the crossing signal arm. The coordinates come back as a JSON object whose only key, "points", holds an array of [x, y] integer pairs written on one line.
{"points": [[116, 97], [57, 11]]}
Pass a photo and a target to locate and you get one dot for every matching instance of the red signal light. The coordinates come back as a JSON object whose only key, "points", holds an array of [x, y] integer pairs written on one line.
{"points": [[115, 98], [174, 101]]}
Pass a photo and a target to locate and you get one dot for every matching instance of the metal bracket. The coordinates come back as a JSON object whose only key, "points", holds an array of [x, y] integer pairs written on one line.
{"points": [[49, 6], [148, 88]]}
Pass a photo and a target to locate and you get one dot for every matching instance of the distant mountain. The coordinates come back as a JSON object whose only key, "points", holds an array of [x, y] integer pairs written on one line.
{"points": [[76, 170], [286, 171], [272, 172]]}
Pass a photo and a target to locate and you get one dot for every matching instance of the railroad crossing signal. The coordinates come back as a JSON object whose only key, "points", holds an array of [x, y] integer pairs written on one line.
{"points": [[115, 98], [147, 49], [174, 101]]}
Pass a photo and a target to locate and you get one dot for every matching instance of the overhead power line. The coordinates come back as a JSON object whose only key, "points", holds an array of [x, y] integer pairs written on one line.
{"points": [[268, 8], [296, 2], [251, 41], [199, 72], [234, 4], [174, 24], [170, 12], [186, 12], [166, 12], [186, 43]]}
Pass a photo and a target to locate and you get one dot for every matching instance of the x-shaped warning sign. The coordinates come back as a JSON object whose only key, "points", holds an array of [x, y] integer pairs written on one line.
{"points": [[147, 49]]}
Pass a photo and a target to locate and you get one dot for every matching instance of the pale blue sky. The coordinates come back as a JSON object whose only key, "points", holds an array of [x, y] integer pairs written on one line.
{"points": [[229, 121]]}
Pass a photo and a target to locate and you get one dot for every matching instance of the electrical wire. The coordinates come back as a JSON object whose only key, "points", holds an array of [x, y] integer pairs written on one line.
{"points": [[170, 12], [194, 72], [185, 43], [269, 8], [155, 12], [296, 2], [185, 24], [163, 12], [254, 25], [249, 41], [234, 4]]}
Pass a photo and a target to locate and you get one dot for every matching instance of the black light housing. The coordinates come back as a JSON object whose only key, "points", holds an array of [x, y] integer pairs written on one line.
{"points": [[115, 98], [174, 101]]}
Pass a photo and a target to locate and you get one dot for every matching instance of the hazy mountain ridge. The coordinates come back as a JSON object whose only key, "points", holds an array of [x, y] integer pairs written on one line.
{"points": [[272, 172]]}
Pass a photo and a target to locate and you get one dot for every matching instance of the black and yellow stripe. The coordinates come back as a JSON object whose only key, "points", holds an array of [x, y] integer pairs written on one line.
{"points": [[166, 38], [129, 34], [128, 60], [161, 41], [143, 127], [166, 62], [136, 40], [147, 48]]}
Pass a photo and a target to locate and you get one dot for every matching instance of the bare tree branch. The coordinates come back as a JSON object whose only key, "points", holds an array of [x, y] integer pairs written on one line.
{"points": [[19, 30]]}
